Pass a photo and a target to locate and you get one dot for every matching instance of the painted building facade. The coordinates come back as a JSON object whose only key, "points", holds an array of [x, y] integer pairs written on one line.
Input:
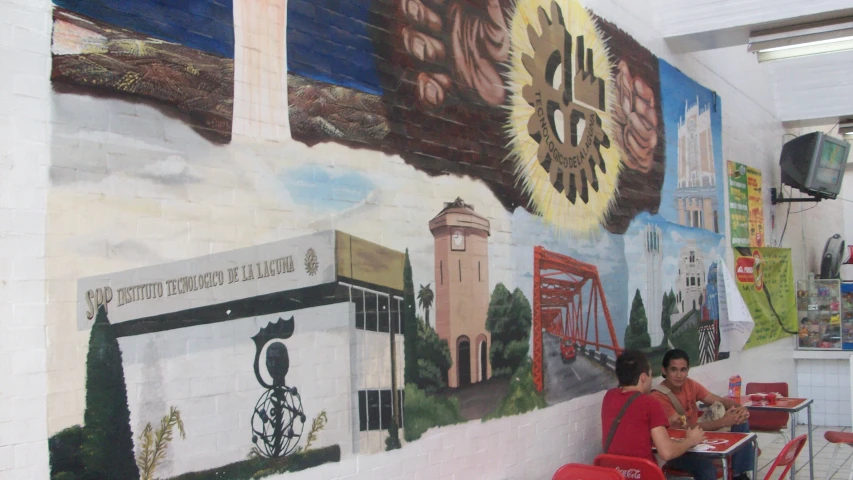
{"points": [[696, 196], [186, 328], [691, 278]]}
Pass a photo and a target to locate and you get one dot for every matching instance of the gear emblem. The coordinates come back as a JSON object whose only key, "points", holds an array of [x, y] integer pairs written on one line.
{"points": [[560, 124], [312, 263], [566, 98]]}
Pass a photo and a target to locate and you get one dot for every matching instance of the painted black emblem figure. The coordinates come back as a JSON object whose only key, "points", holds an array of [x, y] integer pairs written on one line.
{"points": [[278, 420]]}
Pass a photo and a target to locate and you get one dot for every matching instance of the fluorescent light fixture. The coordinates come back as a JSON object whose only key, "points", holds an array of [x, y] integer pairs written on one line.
{"points": [[845, 127], [799, 41]]}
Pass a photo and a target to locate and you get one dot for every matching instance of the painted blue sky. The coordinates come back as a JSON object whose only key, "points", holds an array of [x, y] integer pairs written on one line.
{"points": [[326, 190], [677, 89], [204, 25], [335, 48]]}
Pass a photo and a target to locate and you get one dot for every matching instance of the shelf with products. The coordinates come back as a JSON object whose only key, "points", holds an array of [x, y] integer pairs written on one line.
{"points": [[847, 315], [820, 309]]}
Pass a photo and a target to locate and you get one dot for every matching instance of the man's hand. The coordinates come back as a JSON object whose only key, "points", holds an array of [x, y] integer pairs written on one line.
{"points": [[742, 414], [635, 113], [694, 436], [735, 416], [678, 421], [459, 43]]}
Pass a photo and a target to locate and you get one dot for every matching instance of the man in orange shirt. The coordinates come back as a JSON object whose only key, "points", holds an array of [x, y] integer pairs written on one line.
{"points": [[677, 388]]}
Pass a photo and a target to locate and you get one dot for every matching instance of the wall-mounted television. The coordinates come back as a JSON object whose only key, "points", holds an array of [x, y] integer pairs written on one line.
{"points": [[814, 164]]}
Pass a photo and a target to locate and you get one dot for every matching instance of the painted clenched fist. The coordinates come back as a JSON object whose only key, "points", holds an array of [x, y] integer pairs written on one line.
{"points": [[459, 45], [635, 113]]}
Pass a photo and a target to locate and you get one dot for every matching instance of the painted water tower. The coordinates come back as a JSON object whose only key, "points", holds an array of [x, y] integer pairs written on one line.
{"points": [[462, 290]]}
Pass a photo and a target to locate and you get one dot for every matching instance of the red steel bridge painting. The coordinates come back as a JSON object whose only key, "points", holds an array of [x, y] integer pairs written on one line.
{"points": [[560, 285]]}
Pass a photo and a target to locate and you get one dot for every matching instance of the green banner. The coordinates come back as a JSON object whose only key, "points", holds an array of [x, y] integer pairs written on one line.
{"points": [[746, 211], [765, 280], [738, 204]]}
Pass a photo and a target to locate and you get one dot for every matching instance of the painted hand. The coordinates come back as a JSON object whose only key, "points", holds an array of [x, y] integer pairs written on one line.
{"points": [[634, 112], [459, 45]]}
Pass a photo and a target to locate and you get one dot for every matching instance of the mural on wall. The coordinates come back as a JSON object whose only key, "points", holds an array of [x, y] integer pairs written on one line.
{"points": [[179, 56], [434, 68], [484, 204], [278, 418]]}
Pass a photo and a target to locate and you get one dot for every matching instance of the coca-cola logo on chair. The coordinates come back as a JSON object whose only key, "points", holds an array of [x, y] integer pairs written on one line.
{"points": [[630, 473]]}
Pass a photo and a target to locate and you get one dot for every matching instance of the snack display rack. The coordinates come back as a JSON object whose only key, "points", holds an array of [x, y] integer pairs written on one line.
{"points": [[825, 313]]}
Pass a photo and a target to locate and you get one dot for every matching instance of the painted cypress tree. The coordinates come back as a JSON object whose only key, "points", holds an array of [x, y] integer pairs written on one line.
{"points": [[410, 325], [108, 440], [637, 331]]}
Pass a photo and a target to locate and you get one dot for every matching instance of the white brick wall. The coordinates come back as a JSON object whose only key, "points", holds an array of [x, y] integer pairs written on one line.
{"points": [[110, 218], [24, 156], [207, 373], [827, 381]]}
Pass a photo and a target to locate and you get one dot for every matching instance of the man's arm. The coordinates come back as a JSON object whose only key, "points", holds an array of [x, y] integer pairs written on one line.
{"points": [[728, 420], [669, 448], [735, 413], [668, 410], [727, 402]]}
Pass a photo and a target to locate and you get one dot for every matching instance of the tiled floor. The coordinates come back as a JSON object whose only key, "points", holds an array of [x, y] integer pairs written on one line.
{"points": [[771, 444]]}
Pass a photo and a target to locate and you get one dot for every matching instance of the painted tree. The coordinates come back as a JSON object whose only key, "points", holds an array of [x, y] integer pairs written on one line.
{"points": [[410, 325], [433, 359], [425, 299], [509, 320], [637, 332], [108, 442], [669, 304]]}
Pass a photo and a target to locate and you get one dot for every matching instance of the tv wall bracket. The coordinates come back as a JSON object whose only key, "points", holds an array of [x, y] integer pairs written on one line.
{"points": [[776, 198]]}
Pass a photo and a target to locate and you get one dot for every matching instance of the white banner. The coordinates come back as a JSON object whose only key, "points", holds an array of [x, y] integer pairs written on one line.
{"points": [[248, 272], [736, 322]]}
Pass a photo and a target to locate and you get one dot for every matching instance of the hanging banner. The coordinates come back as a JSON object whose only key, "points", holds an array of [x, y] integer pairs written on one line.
{"points": [[765, 280], [736, 323], [756, 207], [746, 208]]}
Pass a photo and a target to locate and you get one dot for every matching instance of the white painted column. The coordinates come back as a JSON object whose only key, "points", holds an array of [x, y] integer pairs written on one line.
{"points": [[25, 130], [260, 70]]}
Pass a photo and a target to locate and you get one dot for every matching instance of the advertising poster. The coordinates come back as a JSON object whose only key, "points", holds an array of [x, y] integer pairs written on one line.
{"points": [[745, 206], [765, 279], [756, 207]]}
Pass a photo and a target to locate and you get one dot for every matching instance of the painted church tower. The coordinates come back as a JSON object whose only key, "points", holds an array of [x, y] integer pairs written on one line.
{"points": [[462, 290], [653, 295], [696, 193]]}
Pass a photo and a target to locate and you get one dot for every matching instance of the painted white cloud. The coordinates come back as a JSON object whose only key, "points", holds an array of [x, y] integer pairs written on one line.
{"points": [[171, 170]]}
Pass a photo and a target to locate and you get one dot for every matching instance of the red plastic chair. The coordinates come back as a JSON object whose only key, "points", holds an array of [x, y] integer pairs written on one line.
{"points": [[787, 456], [631, 467], [577, 471], [838, 438], [764, 421]]}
